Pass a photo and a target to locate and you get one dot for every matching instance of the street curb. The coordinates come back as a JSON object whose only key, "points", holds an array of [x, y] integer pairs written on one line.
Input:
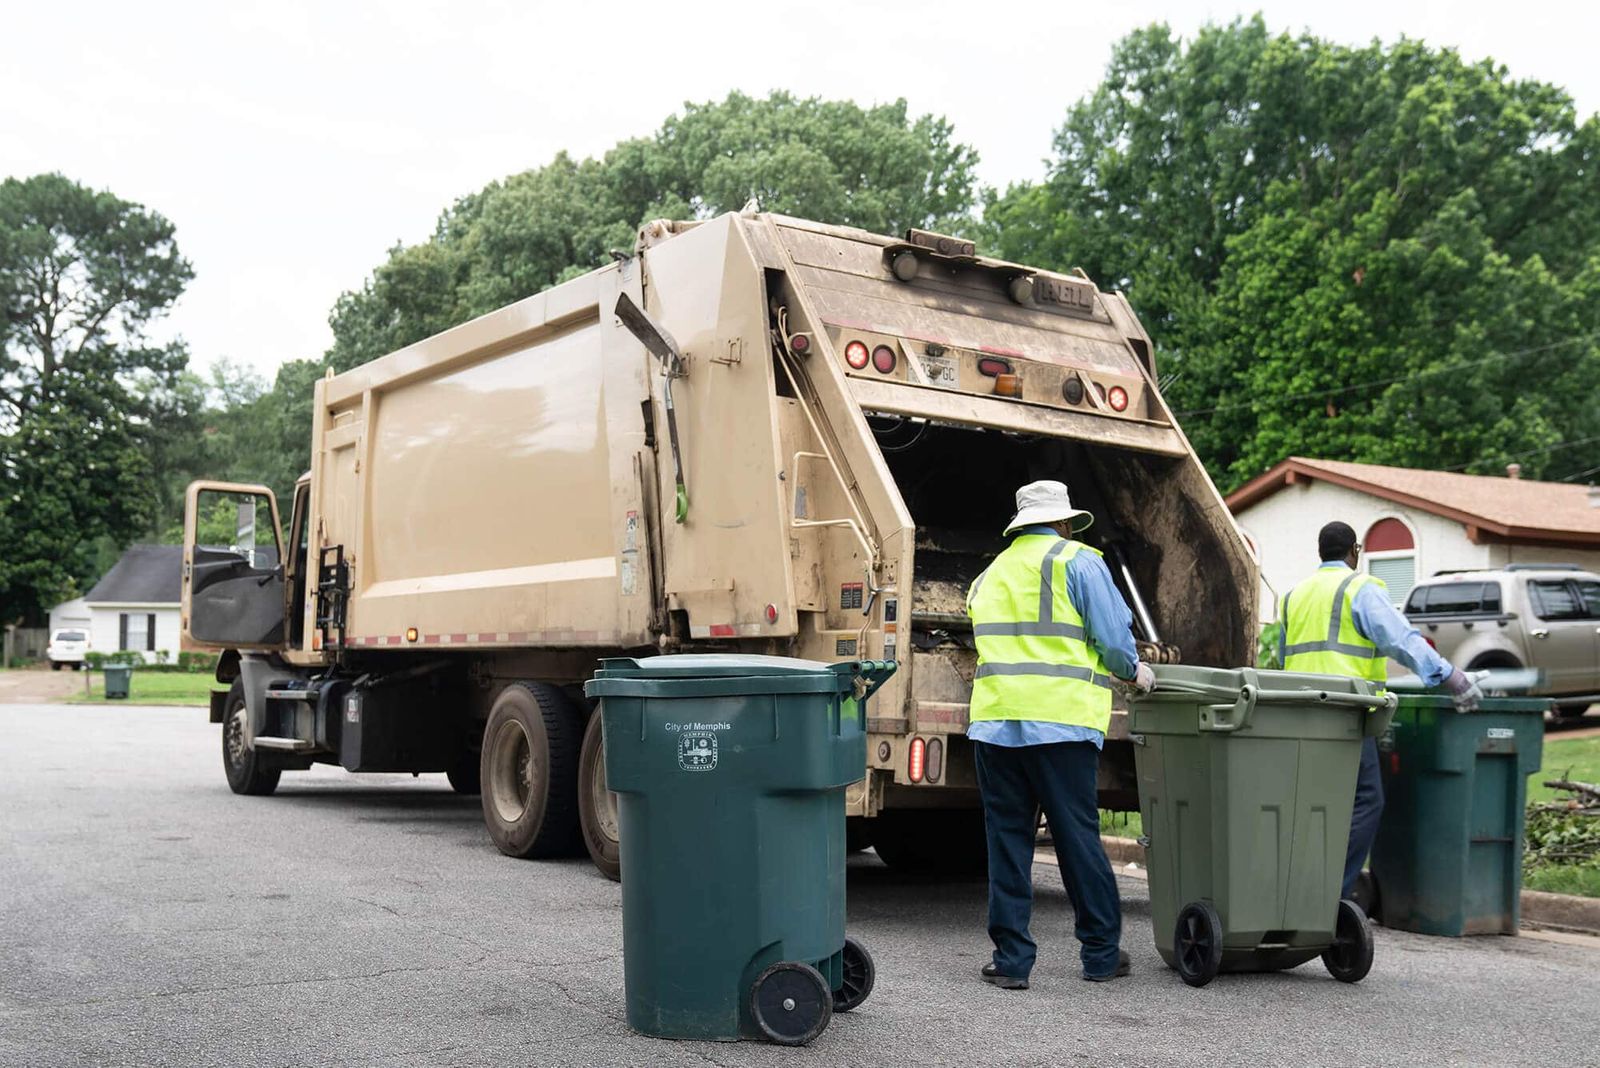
{"points": [[1129, 851], [1564, 911]]}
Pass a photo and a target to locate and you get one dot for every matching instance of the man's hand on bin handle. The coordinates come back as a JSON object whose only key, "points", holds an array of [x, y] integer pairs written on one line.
{"points": [[1463, 690], [1143, 681]]}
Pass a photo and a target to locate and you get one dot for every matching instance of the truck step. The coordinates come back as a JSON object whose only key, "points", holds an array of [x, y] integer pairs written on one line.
{"points": [[291, 695], [293, 745]]}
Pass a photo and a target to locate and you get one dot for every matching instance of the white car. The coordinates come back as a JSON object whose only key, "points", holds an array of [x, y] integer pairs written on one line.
{"points": [[67, 649]]}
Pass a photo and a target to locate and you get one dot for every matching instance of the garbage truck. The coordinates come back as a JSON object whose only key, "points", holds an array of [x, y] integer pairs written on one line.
{"points": [[751, 433]]}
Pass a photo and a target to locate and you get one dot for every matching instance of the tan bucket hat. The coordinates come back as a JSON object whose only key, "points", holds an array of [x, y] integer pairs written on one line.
{"points": [[1047, 502]]}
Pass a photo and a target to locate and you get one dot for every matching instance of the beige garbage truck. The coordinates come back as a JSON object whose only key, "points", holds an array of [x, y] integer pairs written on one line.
{"points": [[756, 434]]}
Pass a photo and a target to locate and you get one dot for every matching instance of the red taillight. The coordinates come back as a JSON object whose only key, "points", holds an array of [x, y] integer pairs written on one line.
{"points": [[772, 613], [918, 761], [990, 367], [1394, 763], [883, 359], [1117, 397], [855, 354], [1431, 644]]}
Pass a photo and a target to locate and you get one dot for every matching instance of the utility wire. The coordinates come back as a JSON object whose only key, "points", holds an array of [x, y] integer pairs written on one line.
{"points": [[1574, 443], [1450, 369]]}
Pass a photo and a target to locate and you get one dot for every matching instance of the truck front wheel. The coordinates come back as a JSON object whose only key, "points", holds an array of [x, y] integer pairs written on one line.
{"points": [[529, 771], [247, 768], [597, 806]]}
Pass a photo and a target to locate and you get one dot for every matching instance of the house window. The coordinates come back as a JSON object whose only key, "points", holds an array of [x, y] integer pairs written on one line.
{"points": [[1390, 552], [136, 631]]}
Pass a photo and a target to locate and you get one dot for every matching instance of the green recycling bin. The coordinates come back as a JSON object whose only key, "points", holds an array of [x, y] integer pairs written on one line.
{"points": [[730, 774], [118, 679], [1448, 858], [1246, 783]]}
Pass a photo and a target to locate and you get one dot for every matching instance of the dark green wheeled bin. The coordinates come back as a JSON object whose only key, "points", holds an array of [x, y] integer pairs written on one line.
{"points": [[1246, 782], [730, 774], [119, 678], [1448, 859]]}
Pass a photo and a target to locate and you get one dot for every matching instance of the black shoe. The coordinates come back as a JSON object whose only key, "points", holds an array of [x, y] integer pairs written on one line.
{"points": [[1124, 967], [992, 975]]}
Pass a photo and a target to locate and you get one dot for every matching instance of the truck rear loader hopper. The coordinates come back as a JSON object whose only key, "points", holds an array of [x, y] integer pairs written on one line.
{"points": [[756, 434]]}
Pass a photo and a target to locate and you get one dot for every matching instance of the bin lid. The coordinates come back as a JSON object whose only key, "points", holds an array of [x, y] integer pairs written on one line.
{"points": [[707, 666]]}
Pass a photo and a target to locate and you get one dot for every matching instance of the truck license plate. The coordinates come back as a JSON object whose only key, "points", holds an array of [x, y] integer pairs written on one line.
{"points": [[941, 371]]}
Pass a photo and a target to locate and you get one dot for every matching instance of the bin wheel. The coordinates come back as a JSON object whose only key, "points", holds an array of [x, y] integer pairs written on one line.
{"points": [[791, 1003], [859, 975], [1349, 959], [1197, 943]]}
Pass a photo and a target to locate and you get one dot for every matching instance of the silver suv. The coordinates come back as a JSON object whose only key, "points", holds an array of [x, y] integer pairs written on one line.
{"points": [[1544, 616]]}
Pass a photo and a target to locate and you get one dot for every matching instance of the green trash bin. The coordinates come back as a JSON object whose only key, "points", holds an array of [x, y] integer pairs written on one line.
{"points": [[1246, 783], [1448, 858], [730, 775], [118, 678]]}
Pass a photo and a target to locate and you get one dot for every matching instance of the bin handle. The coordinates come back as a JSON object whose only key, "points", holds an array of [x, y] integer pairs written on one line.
{"points": [[1226, 718], [866, 675]]}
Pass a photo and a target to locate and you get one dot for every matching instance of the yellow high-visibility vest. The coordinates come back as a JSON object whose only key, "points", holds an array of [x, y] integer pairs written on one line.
{"points": [[1320, 633], [1034, 662]]}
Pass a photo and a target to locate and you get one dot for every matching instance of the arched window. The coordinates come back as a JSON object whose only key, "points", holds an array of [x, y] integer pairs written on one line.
{"points": [[1390, 552]]}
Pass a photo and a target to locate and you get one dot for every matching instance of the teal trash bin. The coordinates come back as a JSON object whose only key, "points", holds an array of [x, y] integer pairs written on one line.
{"points": [[1448, 857], [730, 775], [119, 677], [1246, 783]]}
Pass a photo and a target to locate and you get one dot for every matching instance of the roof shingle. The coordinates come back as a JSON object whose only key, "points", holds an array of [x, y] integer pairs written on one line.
{"points": [[146, 574]]}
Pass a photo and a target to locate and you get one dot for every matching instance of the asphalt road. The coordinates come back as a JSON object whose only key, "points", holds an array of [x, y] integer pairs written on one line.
{"points": [[148, 916]]}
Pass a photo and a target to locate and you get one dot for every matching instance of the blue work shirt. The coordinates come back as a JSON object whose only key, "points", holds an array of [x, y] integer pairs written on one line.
{"points": [[1107, 625], [1381, 623]]}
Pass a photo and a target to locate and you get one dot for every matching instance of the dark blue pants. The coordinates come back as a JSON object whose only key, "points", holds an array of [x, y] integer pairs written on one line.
{"points": [[1060, 779], [1364, 818]]}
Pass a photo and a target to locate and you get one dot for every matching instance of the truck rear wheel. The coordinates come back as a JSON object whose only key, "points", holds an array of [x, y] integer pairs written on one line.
{"points": [[597, 806], [932, 841], [529, 771], [248, 770]]}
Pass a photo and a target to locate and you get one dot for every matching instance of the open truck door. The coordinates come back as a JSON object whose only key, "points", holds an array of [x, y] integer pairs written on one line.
{"points": [[233, 574]]}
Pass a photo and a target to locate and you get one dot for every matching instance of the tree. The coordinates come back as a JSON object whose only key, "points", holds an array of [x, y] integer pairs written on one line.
{"points": [[877, 168], [83, 274], [1338, 249]]}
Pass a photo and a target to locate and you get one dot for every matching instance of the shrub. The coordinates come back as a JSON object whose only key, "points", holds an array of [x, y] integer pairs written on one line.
{"points": [[198, 663]]}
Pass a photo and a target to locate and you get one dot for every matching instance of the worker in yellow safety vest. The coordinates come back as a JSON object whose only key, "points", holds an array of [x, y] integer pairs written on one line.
{"points": [[1052, 632], [1340, 622]]}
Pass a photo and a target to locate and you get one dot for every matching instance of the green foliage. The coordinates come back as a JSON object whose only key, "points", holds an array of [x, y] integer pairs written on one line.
{"points": [[877, 168], [188, 663], [1268, 655], [1380, 253], [82, 275]]}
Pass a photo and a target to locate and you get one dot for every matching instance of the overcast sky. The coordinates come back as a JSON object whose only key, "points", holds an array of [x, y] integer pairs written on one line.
{"points": [[292, 143]]}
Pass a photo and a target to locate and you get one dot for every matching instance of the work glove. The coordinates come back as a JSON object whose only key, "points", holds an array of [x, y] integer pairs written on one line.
{"points": [[1143, 681], [1463, 691]]}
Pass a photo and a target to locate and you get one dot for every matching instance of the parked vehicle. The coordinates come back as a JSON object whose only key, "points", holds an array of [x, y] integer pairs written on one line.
{"points": [[1544, 616], [755, 434], [67, 648]]}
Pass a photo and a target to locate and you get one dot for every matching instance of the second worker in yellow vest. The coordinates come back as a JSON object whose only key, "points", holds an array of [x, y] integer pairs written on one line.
{"points": [[1052, 631], [1340, 622]]}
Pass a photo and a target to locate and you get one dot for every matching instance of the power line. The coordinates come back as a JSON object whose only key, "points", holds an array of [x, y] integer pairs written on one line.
{"points": [[1574, 443], [1339, 390]]}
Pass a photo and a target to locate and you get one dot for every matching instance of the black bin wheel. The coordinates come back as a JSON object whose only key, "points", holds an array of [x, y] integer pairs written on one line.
{"points": [[1349, 959], [791, 1003], [859, 975], [1197, 943]]}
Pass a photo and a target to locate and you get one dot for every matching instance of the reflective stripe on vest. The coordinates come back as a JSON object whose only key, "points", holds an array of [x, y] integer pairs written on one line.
{"points": [[1320, 634], [1034, 660]]}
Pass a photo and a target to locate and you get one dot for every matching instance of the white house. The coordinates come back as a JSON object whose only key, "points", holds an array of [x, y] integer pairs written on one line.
{"points": [[135, 606], [70, 614], [1412, 523]]}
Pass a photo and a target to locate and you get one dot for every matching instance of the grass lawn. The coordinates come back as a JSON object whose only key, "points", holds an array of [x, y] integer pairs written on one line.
{"points": [[1583, 881], [154, 688], [1577, 758], [1121, 824]]}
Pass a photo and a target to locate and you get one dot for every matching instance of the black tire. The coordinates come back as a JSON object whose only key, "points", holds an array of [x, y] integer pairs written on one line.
{"points": [[791, 1003], [1197, 943], [249, 771], [948, 842], [1349, 959], [1571, 711], [1368, 896], [529, 771], [857, 834], [859, 975], [466, 778], [597, 806], [55, 665]]}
